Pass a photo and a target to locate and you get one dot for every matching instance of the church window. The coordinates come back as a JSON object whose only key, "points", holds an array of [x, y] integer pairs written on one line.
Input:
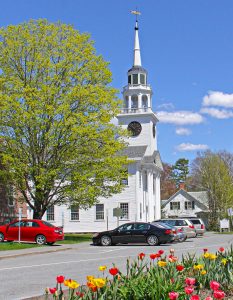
{"points": [[99, 212], [74, 213], [124, 178], [135, 78], [174, 205], [125, 209], [142, 78], [144, 101], [126, 102], [50, 213], [129, 79], [134, 101], [145, 182]]}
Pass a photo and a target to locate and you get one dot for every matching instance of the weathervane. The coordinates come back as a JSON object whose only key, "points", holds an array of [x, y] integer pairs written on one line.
{"points": [[136, 13]]}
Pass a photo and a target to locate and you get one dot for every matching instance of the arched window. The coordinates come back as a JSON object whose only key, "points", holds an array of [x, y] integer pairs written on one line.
{"points": [[144, 101], [134, 101]]}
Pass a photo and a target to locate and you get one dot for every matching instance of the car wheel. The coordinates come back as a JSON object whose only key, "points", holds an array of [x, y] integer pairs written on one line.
{"points": [[182, 239], [40, 239], [105, 240], [152, 240], [50, 243], [2, 237]]}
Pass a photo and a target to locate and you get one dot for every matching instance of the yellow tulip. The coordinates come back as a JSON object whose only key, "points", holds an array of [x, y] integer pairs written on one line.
{"points": [[198, 267], [203, 272], [90, 278], [162, 263], [212, 256], [99, 282], [102, 268], [73, 284], [206, 255], [224, 261]]}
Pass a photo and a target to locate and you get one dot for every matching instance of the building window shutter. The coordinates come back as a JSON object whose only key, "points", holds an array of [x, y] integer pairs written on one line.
{"points": [[178, 205], [193, 205], [171, 207], [186, 205]]}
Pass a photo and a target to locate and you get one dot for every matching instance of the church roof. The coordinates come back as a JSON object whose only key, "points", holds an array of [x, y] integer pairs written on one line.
{"points": [[154, 159]]}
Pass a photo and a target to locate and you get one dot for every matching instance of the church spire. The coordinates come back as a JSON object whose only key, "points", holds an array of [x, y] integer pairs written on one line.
{"points": [[137, 54]]}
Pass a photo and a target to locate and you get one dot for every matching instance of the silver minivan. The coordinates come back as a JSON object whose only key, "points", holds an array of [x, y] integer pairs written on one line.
{"points": [[186, 225]]}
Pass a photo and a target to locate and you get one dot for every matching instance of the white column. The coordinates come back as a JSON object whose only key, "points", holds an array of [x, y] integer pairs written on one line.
{"points": [[129, 107], [140, 102], [150, 197], [157, 197]]}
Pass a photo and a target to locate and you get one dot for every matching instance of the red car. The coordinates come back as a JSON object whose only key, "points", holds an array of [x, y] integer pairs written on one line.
{"points": [[38, 231]]}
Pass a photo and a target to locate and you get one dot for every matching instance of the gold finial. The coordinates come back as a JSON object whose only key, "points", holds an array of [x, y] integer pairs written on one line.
{"points": [[136, 13]]}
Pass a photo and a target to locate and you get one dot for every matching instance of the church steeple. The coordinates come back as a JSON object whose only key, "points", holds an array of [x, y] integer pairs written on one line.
{"points": [[137, 54]]}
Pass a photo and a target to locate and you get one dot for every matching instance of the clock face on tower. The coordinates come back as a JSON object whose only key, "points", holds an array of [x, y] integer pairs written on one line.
{"points": [[135, 128]]}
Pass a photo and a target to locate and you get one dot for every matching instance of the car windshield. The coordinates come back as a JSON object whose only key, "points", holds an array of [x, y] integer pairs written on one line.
{"points": [[163, 225], [47, 224], [195, 221]]}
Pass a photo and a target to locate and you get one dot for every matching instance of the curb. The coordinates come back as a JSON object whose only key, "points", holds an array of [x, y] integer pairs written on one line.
{"points": [[33, 253]]}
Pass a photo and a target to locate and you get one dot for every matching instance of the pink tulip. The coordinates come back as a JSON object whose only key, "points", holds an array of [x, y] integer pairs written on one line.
{"points": [[190, 281], [195, 297], [218, 294], [214, 285], [188, 290], [173, 295]]}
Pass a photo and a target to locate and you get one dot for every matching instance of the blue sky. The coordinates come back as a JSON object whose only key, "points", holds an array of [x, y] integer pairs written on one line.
{"points": [[186, 47]]}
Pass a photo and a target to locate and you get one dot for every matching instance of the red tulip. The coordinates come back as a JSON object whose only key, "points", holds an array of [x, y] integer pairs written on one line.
{"points": [[195, 297], [218, 294], [80, 294], [113, 271], [208, 298], [214, 285], [190, 281], [173, 295], [179, 268], [60, 279], [221, 249], [153, 256], [52, 290], [205, 249], [141, 255], [160, 252], [188, 290]]}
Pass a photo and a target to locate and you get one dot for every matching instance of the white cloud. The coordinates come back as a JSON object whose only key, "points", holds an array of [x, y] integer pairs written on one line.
{"points": [[217, 113], [166, 106], [183, 131], [191, 147], [218, 99], [180, 117]]}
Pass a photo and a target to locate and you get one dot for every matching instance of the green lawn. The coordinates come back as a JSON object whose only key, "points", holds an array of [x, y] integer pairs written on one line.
{"points": [[69, 239]]}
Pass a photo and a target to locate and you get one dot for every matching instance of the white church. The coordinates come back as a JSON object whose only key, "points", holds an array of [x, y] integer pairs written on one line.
{"points": [[140, 199]]}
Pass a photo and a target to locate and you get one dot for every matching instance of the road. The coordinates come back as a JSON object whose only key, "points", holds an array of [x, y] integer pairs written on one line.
{"points": [[26, 276]]}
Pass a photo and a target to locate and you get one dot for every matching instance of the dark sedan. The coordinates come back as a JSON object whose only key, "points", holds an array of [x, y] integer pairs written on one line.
{"points": [[152, 234]]}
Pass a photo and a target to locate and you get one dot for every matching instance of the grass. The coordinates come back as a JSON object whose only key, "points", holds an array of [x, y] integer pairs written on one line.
{"points": [[76, 238], [70, 238]]}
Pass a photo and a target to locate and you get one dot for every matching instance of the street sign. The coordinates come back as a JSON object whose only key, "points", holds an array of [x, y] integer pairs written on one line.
{"points": [[230, 212], [117, 212]]}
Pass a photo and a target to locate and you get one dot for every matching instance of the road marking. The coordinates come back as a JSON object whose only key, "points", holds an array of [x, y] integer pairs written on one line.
{"points": [[104, 258]]}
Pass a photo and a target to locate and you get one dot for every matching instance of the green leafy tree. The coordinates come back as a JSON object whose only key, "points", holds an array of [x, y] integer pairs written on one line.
{"points": [[57, 142], [214, 175], [180, 171]]}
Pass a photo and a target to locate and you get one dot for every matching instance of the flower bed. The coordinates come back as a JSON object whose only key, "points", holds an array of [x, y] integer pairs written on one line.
{"points": [[159, 276]]}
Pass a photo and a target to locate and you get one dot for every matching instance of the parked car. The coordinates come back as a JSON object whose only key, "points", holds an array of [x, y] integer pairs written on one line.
{"points": [[34, 230], [179, 233], [199, 225], [184, 224], [138, 232]]}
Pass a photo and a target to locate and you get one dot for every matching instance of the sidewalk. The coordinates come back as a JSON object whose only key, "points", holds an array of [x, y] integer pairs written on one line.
{"points": [[34, 251]]}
